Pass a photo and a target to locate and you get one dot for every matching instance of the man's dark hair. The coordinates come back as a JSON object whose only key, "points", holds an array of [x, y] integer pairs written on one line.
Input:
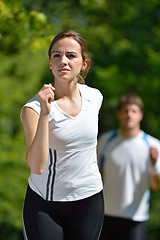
{"points": [[130, 99]]}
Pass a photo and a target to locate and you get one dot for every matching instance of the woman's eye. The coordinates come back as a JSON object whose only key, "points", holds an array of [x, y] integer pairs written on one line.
{"points": [[71, 55], [56, 55]]}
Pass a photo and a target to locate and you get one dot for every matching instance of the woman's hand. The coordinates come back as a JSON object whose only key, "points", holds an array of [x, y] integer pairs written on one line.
{"points": [[46, 96]]}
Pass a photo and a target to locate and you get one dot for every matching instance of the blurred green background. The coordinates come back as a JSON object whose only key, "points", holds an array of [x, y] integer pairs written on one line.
{"points": [[124, 40]]}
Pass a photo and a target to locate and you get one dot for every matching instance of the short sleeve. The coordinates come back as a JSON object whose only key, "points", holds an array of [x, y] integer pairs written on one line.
{"points": [[34, 104]]}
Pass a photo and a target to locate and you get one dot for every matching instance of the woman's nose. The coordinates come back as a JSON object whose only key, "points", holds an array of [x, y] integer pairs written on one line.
{"points": [[63, 60]]}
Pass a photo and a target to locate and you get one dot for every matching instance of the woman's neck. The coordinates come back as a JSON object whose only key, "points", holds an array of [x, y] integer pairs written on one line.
{"points": [[66, 91]]}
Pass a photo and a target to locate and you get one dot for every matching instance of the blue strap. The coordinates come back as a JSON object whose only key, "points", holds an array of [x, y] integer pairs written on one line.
{"points": [[145, 138]]}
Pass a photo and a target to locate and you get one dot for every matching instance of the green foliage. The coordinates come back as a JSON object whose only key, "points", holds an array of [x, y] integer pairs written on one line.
{"points": [[21, 28], [123, 37]]}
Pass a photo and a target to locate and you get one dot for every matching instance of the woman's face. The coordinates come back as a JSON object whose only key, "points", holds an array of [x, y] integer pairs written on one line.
{"points": [[66, 59]]}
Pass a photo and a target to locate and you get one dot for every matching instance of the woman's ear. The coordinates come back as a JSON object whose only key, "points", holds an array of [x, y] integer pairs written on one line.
{"points": [[49, 63], [84, 65]]}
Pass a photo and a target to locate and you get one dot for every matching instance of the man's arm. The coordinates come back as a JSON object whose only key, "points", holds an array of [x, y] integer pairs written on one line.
{"points": [[154, 173]]}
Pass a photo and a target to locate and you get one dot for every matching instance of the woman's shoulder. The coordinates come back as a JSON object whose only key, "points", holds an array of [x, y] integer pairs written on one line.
{"points": [[33, 103], [89, 90]]}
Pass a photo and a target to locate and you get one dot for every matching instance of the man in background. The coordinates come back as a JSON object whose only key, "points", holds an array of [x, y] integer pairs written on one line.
{"points": [[129, 161]]}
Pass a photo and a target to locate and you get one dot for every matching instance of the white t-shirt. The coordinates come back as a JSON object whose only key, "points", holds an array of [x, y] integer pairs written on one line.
{"points": [[71, 172], [126, 168]]}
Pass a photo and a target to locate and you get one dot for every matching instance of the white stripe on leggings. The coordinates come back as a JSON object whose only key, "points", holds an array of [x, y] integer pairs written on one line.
{"points": [[24, 230]]}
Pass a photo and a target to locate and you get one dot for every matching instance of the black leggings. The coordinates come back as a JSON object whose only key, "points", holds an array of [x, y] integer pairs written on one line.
{"points": [[76, 220], [120, 228]]}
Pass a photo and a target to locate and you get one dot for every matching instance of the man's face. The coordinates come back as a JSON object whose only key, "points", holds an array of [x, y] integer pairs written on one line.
{"points": [[129, 116]]}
